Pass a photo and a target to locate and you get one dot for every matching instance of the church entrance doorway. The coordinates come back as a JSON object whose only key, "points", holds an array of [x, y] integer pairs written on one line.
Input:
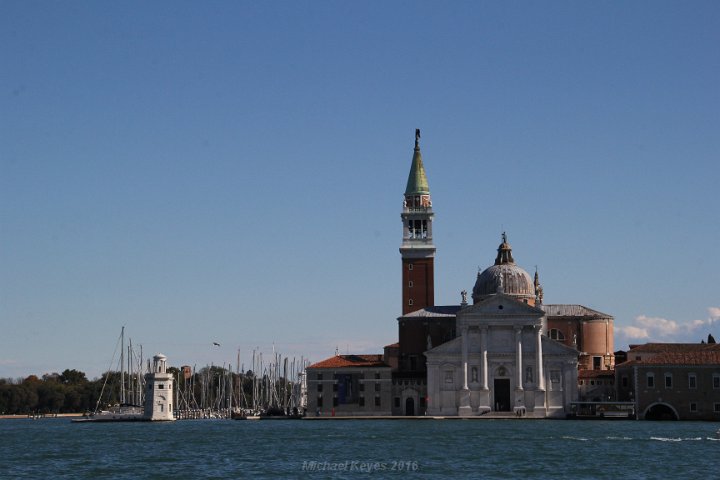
{"points": [[410, 407], [502, 395]]}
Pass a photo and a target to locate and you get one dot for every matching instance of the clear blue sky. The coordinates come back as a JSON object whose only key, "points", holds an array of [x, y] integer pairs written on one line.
{"points": [[233, 171]]}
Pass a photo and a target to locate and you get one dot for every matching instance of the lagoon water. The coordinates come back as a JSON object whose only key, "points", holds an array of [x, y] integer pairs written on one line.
{"points": [[56, 448]]}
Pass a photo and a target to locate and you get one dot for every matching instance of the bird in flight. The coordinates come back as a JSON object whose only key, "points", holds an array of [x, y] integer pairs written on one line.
{"points": [[216, 344]]}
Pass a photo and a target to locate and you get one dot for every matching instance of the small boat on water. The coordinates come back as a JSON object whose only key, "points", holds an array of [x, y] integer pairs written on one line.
{"points": [[270, 414], [118, 413], [157, 404]]}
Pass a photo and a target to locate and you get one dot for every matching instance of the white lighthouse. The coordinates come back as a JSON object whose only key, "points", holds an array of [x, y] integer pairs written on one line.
{"points": [[159, 393]]}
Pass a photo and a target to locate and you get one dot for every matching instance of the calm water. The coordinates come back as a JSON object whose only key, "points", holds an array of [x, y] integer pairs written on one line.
{"points": [[55, 448]]}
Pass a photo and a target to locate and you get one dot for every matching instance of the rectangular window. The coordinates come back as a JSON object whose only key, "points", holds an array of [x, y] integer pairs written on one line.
{"points": [[319, 402], [319, 376], [335, 401], [410, 284], [693, 407], [361, 386], [651, 380], [716, 407], [692, 381], [668, 380], [597, 363], [377, 376], [410, 266], [716, 381], [448, 376], [319, 387], [361, 401], [377, 387], [624, 381], [335, 387], [377, 401], [397, 402]]}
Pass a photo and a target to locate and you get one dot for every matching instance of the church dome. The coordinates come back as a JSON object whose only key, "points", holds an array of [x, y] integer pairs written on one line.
{"points": [[504, 277]]}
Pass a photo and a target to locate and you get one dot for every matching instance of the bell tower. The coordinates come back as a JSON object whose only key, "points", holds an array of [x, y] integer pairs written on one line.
{"points": [[417, 249]]}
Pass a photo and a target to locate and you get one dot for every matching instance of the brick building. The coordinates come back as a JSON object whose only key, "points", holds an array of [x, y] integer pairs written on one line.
{"points": [[677, 381]]}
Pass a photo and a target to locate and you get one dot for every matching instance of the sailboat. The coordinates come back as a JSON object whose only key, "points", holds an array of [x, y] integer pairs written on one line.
{"points": [[125, 411]]}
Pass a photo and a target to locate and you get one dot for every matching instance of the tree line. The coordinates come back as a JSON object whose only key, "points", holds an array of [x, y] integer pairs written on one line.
{"points": [[71, 391], [66, 392]]}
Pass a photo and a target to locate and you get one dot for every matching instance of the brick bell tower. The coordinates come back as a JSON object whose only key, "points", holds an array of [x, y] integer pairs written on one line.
{"points": [[417, 249]]}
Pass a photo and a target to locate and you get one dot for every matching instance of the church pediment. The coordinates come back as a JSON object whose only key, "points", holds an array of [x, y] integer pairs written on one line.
{"points": [[552, 347], [453, 346], [500, 305]]}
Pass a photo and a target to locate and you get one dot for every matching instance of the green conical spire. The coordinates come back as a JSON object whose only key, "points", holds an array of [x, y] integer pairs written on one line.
{"points": [[417, 183]]}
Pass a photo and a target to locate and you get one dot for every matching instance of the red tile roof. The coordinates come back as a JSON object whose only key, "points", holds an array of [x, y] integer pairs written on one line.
{"points": [[673, 348], [393, 345], [341, 361], [679, 358]]}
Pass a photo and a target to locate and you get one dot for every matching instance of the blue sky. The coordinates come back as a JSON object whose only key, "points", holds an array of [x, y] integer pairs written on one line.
{"points": [[233, 171]]}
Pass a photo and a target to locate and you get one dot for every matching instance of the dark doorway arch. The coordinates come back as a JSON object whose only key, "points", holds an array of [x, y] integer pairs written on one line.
{"points": [[660, 411], [410, 407], [502, 395]]}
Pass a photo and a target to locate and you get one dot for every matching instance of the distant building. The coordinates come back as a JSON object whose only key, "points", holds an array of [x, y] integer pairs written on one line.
{"points": [[596, 385], [501, 362], [588, 331], [349, 385], [678, 381], [507, 352]]}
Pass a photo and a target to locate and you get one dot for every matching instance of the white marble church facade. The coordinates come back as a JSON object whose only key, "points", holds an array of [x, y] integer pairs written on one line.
{"points": [[501, 361]]}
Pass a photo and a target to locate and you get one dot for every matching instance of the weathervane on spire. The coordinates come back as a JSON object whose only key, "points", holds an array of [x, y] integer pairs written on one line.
{"points": [[417, 137]]}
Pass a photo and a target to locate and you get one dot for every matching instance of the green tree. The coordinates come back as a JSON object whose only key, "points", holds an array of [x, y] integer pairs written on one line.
{"points": [[73, 377]]}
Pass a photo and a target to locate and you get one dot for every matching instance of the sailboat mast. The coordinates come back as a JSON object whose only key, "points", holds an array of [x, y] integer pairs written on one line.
{"points": [[122, 365]]}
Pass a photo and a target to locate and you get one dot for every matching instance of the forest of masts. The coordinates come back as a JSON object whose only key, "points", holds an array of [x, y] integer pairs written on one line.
{"points": [[270, 387]]}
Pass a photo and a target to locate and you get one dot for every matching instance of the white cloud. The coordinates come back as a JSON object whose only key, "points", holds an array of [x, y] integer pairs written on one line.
{"points": [[657, 329], [633, 332], [657, 325]]}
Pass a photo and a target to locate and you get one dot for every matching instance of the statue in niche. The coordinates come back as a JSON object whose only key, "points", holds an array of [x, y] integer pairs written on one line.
{"points": [[463, 294], [528, 375], [474, 376], [501, 372], [429, 342]]}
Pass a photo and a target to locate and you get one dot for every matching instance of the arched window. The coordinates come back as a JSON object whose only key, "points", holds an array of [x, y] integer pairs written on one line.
{"points": [[556, 334]]}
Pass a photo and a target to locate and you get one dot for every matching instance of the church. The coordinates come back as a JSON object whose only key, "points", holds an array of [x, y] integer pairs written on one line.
{"points": [[506, 353]]}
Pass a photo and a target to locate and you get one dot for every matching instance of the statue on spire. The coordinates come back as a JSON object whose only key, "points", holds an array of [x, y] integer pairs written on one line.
{"points": [[417, 137]]}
